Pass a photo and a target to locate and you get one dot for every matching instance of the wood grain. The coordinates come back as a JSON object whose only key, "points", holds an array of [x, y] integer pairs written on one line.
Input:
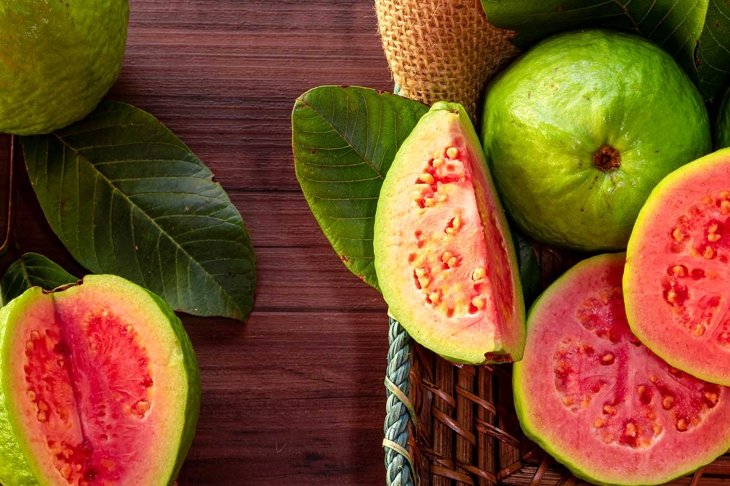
{"points": [[295, 395]]}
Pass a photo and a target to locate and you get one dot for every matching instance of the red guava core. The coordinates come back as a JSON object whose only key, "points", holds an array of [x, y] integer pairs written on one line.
{"points": [[88, 384], [599, 400], [448, 250]]}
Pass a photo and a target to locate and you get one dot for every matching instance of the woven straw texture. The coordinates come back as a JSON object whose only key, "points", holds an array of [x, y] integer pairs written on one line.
{"points": [[442, 50]]}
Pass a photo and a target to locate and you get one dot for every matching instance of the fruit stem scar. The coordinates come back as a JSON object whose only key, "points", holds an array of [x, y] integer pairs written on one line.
{"points": [[606, 158]]}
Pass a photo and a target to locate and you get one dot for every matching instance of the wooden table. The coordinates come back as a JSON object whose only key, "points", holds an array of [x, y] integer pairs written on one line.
{"points": [[295, 396]]}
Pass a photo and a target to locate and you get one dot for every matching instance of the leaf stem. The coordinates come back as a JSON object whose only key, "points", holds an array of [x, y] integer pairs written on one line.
{"points": [[9, 207]]}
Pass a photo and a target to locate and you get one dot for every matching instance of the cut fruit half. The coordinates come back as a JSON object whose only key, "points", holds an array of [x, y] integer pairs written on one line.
{"points": [[100, 386]]}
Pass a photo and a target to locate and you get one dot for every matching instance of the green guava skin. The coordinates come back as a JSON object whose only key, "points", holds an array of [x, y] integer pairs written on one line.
{"points": [[58, 59], [16, 466], [546, 116]]}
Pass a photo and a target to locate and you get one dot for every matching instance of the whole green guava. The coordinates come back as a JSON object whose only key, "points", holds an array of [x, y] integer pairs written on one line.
{"points": [[580, 129], [57, 60]]}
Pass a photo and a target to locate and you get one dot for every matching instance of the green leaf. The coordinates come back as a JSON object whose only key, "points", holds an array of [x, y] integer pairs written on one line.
{"points": [[529, 266], [712, 58], [33, 270], [695, 32], [127, 197], [344, 140]]}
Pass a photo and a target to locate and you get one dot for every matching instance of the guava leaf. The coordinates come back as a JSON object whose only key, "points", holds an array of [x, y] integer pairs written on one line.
{"points": [[127, 197], [712, 58], [695, 32], [344, 140], [529, 266], [33, 270]]}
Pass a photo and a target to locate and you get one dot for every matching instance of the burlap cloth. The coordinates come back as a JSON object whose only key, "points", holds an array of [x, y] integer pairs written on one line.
{"points": [[442, 50]]}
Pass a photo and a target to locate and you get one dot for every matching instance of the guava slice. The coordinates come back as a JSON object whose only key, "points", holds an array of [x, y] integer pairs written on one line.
{"points": [[444, 257], [598, 400], [579, 130], [677, 280], [99, 385]]}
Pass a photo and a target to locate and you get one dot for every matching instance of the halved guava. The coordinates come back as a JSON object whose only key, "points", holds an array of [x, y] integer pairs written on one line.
{"points": [[444, 256], [677, 280], [598, 400], [99, 385]]}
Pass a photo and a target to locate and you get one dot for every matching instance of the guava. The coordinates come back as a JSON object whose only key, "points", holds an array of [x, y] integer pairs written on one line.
{"points": [[677, 280], [598, 400], [444, 256], [579, 129], [58, 60], [99, 385]]}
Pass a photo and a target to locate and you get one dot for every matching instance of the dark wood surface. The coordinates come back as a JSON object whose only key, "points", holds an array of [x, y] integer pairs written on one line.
{"points": [[295, 395]]}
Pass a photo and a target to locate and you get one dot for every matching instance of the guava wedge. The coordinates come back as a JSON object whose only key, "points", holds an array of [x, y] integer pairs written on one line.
{"points": [[99, 385], [598, 400], [444, 256], [677, 279], [579, 129]]}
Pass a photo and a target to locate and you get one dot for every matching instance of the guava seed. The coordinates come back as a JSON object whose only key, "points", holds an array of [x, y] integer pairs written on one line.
{"points": [[608, 358]]}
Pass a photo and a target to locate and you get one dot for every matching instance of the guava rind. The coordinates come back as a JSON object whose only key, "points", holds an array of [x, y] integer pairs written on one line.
{"points": [[477, 340], [567, 434], [647, 261], [59, 59], [549, 112], [192, 371], [23, 467], [14, 468]]}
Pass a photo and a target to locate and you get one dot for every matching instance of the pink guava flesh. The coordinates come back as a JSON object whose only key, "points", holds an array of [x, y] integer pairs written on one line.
{"points": [[458, 267], [591, 394], [677, 281], [88, 384], [101, 393]]}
